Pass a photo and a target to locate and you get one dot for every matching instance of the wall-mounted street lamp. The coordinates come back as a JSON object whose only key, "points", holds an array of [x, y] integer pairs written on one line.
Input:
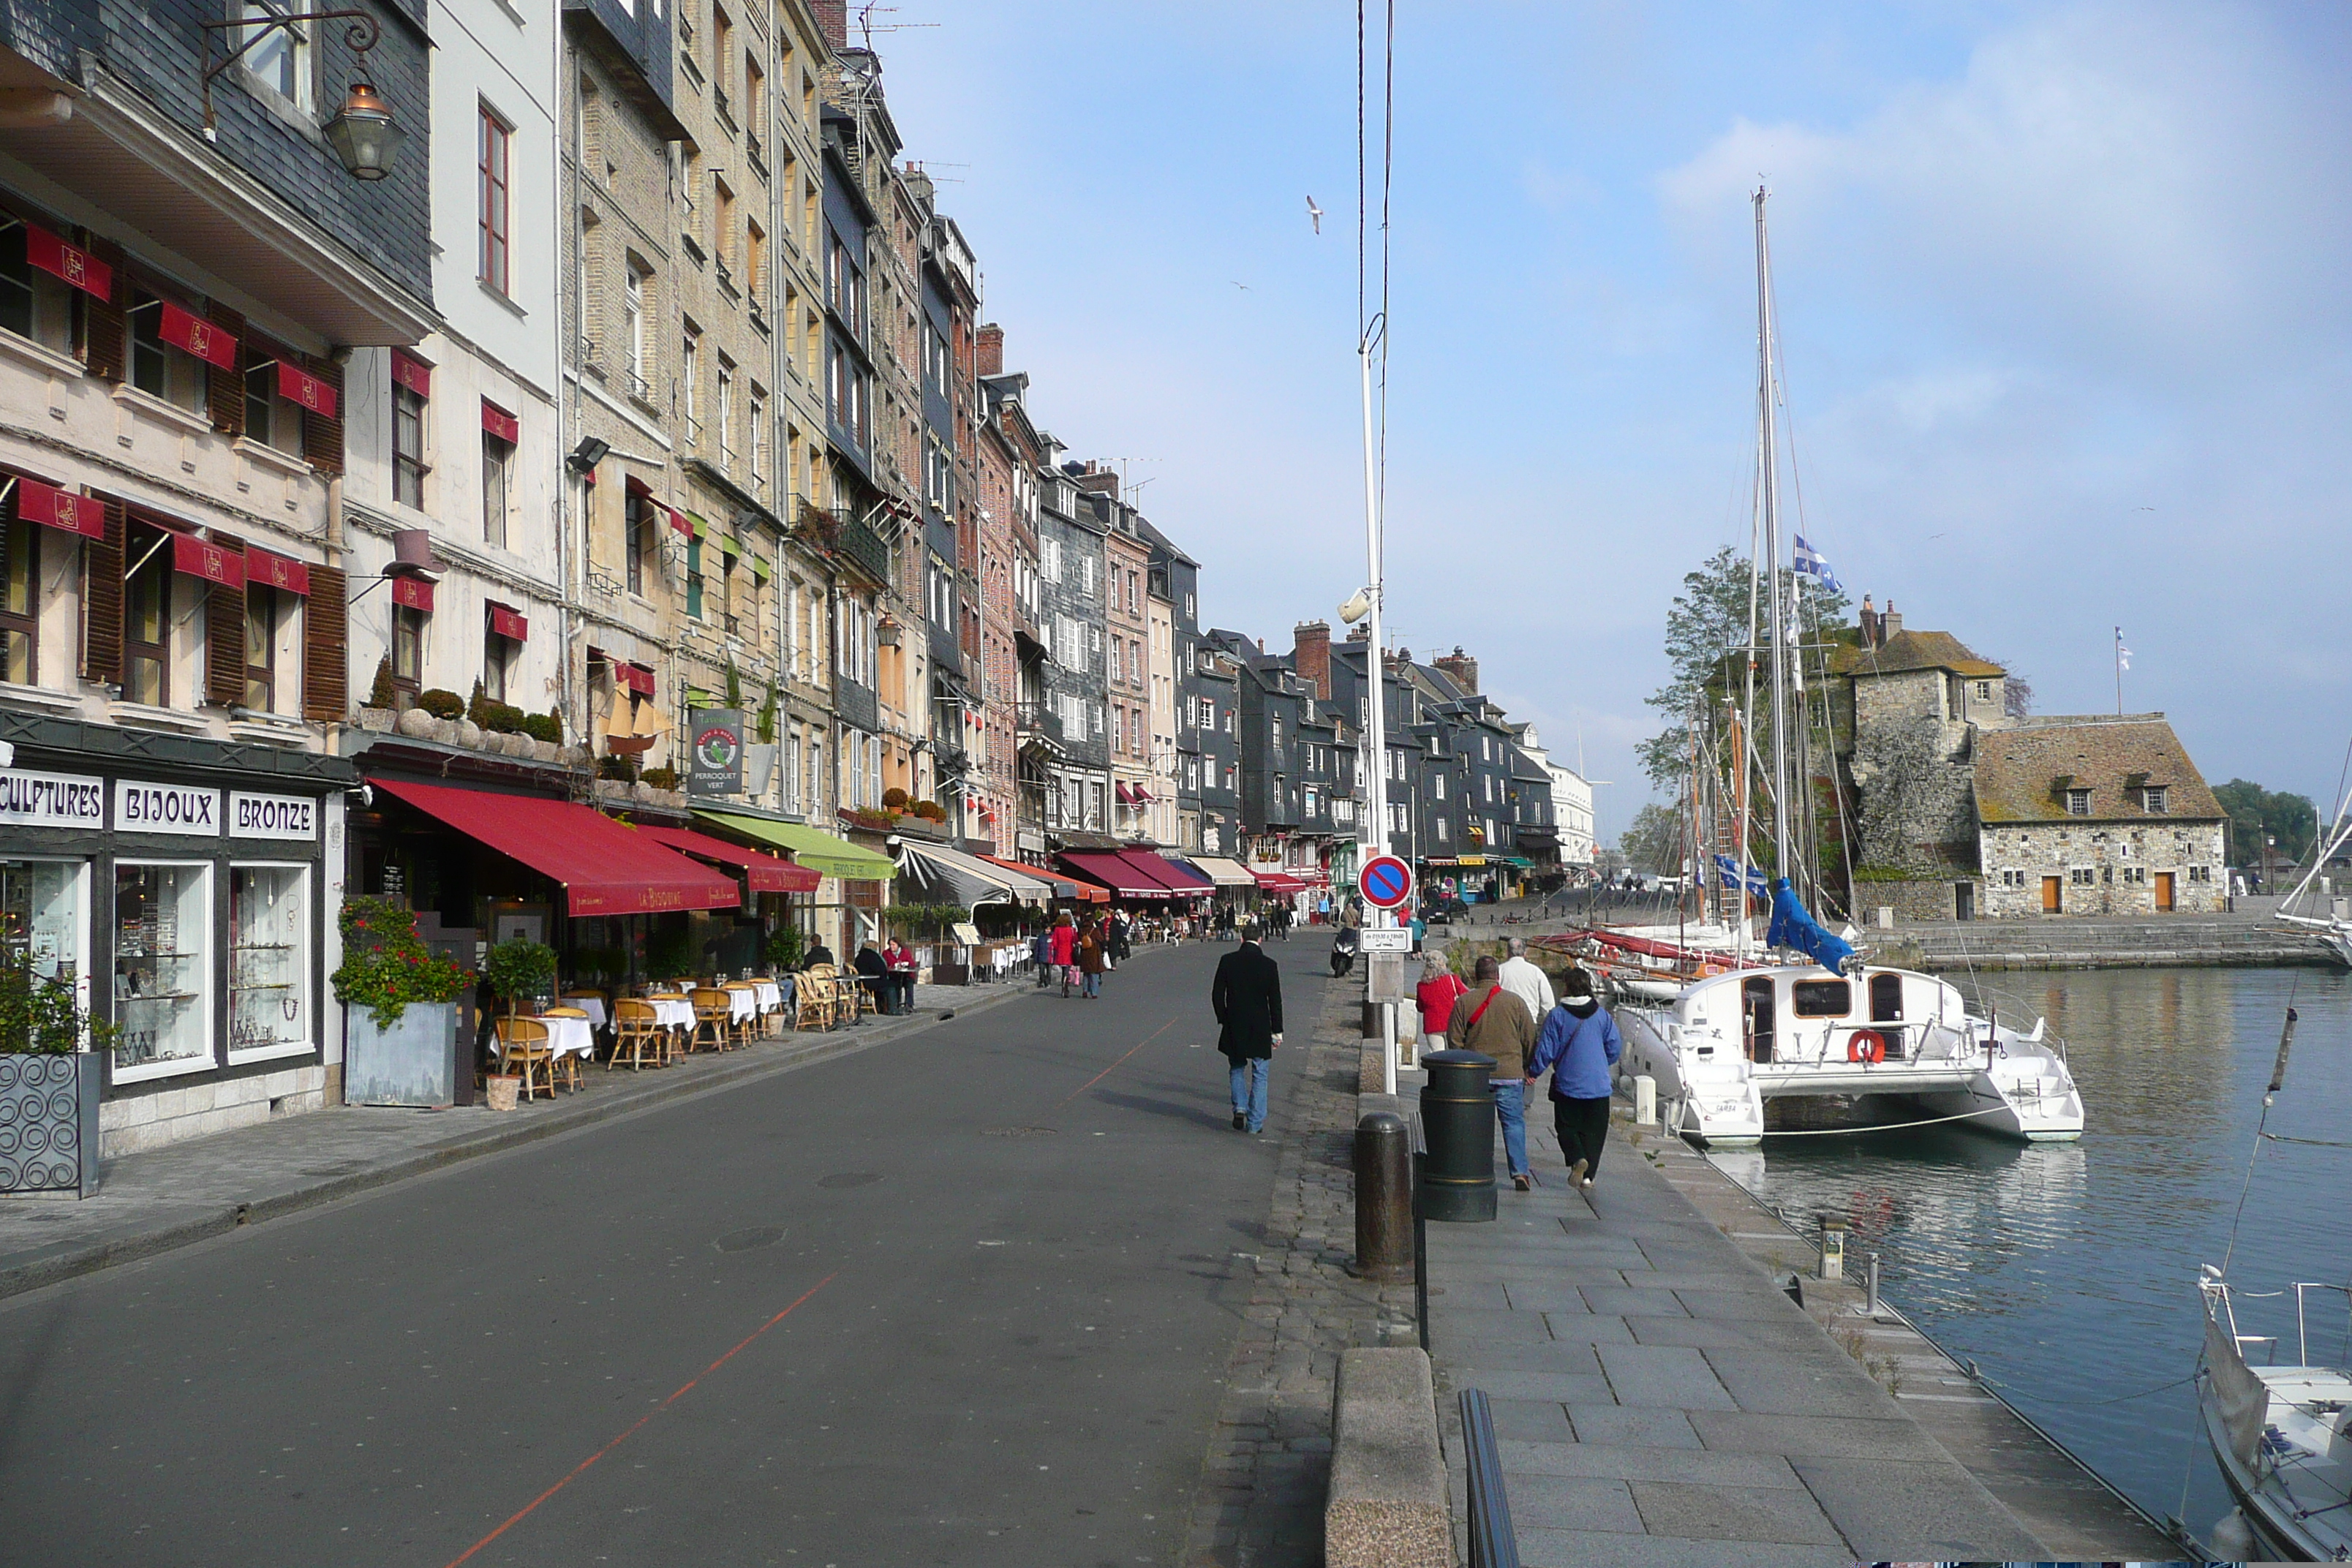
{"points": [[364, 133]]}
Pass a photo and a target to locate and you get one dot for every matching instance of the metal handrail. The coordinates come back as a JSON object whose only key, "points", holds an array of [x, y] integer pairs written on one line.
{"points": [[1493, 1543]]}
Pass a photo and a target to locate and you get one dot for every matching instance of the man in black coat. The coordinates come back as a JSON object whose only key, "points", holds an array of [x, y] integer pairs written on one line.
{"points": [[1247, 995]]}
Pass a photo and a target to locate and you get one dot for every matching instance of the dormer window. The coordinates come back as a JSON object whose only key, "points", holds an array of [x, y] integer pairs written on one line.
{"points": [[2151, 799], [2078, 803]]}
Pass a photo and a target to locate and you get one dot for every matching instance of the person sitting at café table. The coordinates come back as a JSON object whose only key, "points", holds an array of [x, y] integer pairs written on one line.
{"points": [[899, 992], [872, 972], [817, 954]]}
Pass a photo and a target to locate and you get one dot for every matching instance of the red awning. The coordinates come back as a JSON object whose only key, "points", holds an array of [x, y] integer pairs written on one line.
{"points": [[605, 868], [1064, 888], [1111, 870], [1156, 868], [1281, 882], [768, 873]]}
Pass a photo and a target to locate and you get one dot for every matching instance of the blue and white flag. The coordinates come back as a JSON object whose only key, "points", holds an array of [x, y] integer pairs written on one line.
{"points": [[1727, 871], [1812, 563]]}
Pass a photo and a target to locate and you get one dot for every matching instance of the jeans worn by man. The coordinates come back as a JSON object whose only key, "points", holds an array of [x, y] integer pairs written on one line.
{"points": [[1511, 1109], [1249, 1080]]}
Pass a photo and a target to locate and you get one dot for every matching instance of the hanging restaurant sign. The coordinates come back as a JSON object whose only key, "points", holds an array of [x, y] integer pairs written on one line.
{"points": [[198, 336], [75, 266], [203, 558], [298, 385], [716, 754], [54, 508]]}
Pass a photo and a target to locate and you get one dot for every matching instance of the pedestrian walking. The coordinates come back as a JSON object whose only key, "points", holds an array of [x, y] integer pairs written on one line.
{"points": [[1247, 998], [1093, 959], [1041, 957], [1440, 988], [1063, 945], [1578, 1045], [1530, 985], [1493, 1022]]}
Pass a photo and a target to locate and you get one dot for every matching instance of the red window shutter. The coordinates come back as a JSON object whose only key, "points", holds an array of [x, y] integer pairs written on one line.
{"points": [[225, 384], [326, 678], [104, 346], [102, 598], [322, 434], [225, 643]]}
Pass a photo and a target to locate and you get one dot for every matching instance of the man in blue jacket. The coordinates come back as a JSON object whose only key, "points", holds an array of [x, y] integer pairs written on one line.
{"points": [[1578, 1045]]}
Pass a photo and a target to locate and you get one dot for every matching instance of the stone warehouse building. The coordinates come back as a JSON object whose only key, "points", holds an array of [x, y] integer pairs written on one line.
{"points": [[1961, 808]]}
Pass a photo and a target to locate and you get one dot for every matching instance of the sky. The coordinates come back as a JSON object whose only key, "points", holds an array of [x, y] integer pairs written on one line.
{"points": [[2063, 296]]}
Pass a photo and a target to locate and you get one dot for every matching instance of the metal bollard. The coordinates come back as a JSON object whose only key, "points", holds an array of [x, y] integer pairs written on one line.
{"points": [[1645, 1100], [1384, 1199], [1457, 1118], [1870, 1307]]}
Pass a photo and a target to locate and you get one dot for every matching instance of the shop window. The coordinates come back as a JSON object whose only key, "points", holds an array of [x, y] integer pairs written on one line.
{"points": [[41, 919], [147, 620], [33, 303], [407, 647], [162, 369], [269, 962], [20, 605], [163, 968], [261, 649]]}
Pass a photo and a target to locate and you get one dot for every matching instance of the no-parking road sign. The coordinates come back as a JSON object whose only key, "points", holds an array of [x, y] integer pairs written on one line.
{"points": [[1385, 881]]}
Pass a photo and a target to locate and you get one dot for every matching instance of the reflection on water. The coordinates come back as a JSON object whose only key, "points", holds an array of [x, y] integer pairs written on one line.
{"points": [[2068, 1271]]}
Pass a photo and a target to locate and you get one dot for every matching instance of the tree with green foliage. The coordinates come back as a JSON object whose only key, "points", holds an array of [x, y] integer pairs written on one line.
{"points": [[1654, 842], [2256, 813]]}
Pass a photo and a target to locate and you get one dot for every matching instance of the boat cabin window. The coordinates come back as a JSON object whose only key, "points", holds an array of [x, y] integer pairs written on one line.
{"points": [[1885, 998], [1821, 998], [1755, 1004]]}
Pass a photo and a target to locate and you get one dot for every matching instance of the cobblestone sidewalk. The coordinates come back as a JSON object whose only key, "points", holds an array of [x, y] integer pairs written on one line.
{"points": [[1260, 1503]]}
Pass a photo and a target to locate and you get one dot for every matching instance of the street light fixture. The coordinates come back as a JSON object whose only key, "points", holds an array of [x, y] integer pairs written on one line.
{"points": [[364, 133]]}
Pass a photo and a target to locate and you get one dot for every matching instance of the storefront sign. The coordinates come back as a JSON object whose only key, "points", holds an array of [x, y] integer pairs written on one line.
{"points": [[272, 816], [166, 808], [717, 753], [52, 800], [203, 558]]}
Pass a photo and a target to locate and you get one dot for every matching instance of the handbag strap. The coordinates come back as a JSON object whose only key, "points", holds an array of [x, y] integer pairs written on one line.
{"points": [[1480, 1012]]}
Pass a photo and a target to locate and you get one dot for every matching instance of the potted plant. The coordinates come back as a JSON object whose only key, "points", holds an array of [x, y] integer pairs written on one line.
{"points": [[520, 970], [759, 756], [400, 1021], [378, 714], [783, 948], [49, 1085]]}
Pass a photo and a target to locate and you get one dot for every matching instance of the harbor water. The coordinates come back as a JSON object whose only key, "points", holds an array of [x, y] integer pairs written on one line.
{"points": [[2068, 1272]]}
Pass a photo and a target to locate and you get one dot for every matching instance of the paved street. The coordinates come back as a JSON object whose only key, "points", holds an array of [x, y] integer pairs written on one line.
{"points": [[961, 1299]]}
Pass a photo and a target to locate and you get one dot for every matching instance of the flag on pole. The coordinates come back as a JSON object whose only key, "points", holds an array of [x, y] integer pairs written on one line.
{"points": [[2122, 654], [1810, 563]]}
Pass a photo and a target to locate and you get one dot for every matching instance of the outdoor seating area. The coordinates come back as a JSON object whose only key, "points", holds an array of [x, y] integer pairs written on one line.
{"points": [[544, 1048]]}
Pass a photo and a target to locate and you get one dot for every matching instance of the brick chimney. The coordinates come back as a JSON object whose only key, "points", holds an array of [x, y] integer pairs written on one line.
{"points": [[1461, 668], [1360, 632], [1310, 653], [1869, 624], [1890, 625], [988, 347], [833, 21], [1095, 479]]}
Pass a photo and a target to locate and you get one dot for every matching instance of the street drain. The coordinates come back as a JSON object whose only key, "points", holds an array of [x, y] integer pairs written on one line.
{"points": [[1018, 1131], [750, 1238], [850, 1179]]}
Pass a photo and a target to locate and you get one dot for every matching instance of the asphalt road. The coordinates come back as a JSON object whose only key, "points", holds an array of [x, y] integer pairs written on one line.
{"points": [[961, 1299]]}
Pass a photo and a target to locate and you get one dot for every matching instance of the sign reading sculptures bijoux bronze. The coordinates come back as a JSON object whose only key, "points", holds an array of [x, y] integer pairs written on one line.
{"points": [[714, 750]]}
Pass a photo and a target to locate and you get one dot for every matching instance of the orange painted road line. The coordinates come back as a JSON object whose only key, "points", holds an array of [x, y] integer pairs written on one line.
{"points": [[1108, 1070], [524, 1513]]}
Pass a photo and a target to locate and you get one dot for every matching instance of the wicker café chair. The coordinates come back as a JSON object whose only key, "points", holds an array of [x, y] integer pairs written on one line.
{"points": [[713, 1018], [523, 1051], [812, 999], [638, 1037]]}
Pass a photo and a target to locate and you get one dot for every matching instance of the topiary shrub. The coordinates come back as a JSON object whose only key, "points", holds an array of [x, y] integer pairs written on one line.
{"points": [[442, 704], [617, 768], [930, 810], [382, 693], [519, 970], [502, 718], [544, 727], [662, 778], [894, 799]]}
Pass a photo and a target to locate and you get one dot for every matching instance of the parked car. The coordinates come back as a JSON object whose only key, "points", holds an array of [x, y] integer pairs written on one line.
{"points": [[1445, 912]]}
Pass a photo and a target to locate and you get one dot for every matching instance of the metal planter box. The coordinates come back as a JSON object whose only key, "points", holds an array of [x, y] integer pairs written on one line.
{"points": [[414, 1062], [48, 1123]]}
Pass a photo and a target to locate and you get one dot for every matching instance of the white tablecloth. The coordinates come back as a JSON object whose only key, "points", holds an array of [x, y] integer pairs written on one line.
{"points": [[570, 1036], [591, 1005], [770, 995], [742, 1005], [672, 1014]]}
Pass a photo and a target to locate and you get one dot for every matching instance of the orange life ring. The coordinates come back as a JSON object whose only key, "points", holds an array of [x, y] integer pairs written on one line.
{"points": [[1865, 1045]]}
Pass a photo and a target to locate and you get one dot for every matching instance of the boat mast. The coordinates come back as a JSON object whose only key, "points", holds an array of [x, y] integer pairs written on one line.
{"points": [[1769, 503]]}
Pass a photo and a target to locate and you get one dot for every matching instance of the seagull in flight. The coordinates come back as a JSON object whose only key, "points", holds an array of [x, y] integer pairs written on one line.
{"points": [[1239, 284], [1314, 214]]}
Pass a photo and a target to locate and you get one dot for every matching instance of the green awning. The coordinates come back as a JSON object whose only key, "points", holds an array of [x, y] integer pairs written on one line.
{"points": [[760, 567], [701, 529], [819, 851], [728, 546], [1520, 860]]}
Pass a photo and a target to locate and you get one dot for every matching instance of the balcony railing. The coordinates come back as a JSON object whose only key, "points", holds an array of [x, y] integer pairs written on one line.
{"points": [[1037, 719]]}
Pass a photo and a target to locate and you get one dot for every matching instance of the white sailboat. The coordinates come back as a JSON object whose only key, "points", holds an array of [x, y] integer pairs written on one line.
{"points": [[1829, 1024], [2335, 927]]}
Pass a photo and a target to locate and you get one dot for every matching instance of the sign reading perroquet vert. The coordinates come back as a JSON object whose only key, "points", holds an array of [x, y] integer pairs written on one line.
{"points": [[714, 750]]}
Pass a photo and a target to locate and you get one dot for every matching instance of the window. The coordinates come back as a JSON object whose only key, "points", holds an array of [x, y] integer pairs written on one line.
{"points": [[759, 412], [411, 384], [637, 527], [163, 968], [1821, 998], [725, 412], [20, 605], [1984, 690], [162, 369], [722, 228], [33, 303], [41, 920], [407, 647], [633, 326], [1437, 786], [690, 367], [270, 417], [269, 962], [2083, 877], [694, 578], [147, 619], [495, 650], [280, 61], [261, 648], [2078, 803], [755, 261], [1444, 835], [499, 431], [2151, 800], [2012, 878], [491, 164]]}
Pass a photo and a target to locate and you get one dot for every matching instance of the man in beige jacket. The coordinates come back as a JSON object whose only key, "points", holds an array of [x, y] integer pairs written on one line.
{"points": [[1493, 1022]]}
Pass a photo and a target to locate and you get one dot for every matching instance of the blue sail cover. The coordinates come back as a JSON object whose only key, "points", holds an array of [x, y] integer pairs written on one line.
{"points": [[1792, 927]]}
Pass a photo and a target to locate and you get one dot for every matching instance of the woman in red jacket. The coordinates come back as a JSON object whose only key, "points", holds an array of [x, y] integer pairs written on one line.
{"points": [[1063, 947], [1439, 989]]}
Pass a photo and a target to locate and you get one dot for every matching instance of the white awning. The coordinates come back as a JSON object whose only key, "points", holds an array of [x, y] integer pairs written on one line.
{"points": [[1223, 872], [974, 880]]}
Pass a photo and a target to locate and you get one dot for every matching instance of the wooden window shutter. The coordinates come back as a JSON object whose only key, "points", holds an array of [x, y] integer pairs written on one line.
{"points": [[224, 386], [101, 598], [104, 347], [322, 436], [224, 644], [326, 678]]}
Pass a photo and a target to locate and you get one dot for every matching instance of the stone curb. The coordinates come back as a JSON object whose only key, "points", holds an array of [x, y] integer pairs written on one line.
{"points": [[37, 1268], [1387, 1505]]}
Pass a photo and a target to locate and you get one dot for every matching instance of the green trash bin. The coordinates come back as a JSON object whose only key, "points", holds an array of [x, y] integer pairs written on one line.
{"points": [[1457, 1120]]}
